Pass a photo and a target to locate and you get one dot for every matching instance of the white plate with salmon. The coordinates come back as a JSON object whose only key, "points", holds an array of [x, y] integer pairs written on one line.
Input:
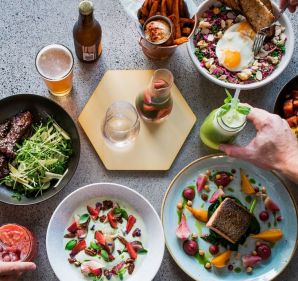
{"points": [[225, 219]]}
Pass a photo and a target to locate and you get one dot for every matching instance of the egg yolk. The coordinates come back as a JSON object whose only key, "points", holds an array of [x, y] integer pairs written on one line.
{"points": [[245, 28], [231, 58]]}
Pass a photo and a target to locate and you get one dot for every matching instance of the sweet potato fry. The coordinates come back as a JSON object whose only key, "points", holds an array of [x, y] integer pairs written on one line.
{"points": [[180, 40], [177, 19], [186, 31], [144, 11], [186, 20], [181, 8], [154, 8], [163, 9], [146, 4], [169, 7]]}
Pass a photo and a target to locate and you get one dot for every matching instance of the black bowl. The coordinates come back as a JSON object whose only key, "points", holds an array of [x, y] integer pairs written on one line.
{"points": [[41, 108], [281, 98]]}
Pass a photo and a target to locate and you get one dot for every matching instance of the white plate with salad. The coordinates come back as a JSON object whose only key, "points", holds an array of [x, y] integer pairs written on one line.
{"points": [[105, 231]]}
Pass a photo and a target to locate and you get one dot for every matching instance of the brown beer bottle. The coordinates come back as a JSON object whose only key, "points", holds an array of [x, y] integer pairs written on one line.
{"points": [[87, 34]]}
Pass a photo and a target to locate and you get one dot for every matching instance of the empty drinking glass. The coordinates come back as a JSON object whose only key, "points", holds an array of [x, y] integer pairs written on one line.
{"points": [[121, 125]]}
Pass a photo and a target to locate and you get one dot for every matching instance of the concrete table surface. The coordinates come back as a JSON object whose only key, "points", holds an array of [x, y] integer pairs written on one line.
{"points": [[26, 26]]}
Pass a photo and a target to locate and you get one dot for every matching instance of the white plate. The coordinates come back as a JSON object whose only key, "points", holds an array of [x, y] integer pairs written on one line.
{"points": [[284, 20], [60, 219]]}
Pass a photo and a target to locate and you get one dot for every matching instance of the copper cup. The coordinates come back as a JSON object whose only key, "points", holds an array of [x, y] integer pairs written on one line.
{"points": [[165, 50]]}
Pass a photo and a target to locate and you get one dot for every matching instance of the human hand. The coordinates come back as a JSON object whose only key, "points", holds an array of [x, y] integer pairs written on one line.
{"points": [[292, 4], [274, 147], [11, 271]]}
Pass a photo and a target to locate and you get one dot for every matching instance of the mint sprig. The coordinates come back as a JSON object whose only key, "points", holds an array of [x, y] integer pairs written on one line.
{"points": [[228, 104]]}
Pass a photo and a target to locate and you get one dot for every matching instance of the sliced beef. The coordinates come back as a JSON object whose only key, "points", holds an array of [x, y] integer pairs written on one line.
{"points": [[230, 220], [4, 128], [3, 167], [20, 125]]}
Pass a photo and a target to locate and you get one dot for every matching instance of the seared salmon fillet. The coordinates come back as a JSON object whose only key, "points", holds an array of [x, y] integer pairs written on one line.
{"points": [[230, 220], [256, 13]]}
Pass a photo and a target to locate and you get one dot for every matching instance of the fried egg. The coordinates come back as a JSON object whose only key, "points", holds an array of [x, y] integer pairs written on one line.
{"points": [[244, 28], [234, 51]]}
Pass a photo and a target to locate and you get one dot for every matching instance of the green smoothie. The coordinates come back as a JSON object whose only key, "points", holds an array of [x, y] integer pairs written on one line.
{"points": [[218, 129]]}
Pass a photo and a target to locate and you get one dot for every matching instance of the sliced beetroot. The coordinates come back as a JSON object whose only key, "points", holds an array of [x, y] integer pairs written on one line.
{"points": [[218, 193], [264, 216], [222, 179], [250, 260], [201, 182], [271, 205], [182, 231]]}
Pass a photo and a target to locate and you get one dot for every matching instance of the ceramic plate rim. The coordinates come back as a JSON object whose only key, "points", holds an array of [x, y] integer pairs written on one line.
{"points": [[218, 155], [277, 72], [128, 189]]}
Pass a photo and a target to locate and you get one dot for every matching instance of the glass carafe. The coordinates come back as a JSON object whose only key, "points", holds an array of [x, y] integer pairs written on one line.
{"points": [[155, 103]]}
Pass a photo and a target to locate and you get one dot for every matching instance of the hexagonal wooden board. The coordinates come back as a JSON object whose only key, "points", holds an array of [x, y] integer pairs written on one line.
{"points": [[157, 145]]}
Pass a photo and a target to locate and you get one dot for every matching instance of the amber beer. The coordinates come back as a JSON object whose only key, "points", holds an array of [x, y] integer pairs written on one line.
{"points": [[87, 34], [55, 64]]}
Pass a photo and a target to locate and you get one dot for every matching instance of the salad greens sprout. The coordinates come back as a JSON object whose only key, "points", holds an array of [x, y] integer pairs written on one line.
{"points": [[40, 160]]}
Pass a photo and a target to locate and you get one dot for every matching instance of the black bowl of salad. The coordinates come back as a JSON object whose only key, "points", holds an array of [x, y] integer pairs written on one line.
{"points": [[39, 149]]}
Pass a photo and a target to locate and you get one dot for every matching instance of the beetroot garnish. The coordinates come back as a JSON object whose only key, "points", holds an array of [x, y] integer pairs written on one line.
{"points": [[189, 193], [213, 249], [256, 189], [271, 205], [130, 223], [190, 247], [230, 267], [98, 206], [201, 182], [251, 261], [279, 218], [222, 179], [263, 251], [182, 231], [218, 193], [73, 227], [264, 215]]}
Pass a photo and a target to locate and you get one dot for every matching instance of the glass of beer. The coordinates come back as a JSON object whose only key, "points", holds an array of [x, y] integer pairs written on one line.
{"points": [[55, 64]]}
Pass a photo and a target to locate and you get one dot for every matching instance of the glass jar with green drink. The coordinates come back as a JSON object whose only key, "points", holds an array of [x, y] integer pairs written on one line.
{"points": [[223, 124]]}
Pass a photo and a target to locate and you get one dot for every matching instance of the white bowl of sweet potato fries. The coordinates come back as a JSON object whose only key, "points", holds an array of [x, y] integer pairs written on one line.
{"points": [[243, 85], [177, 12]]}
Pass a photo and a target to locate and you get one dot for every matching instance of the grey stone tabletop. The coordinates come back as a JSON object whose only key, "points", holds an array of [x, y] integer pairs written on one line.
{"points": [[26, 26]]}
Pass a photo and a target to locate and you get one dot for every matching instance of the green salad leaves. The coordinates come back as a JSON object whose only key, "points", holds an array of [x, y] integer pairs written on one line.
{"points": [[41, 160]]}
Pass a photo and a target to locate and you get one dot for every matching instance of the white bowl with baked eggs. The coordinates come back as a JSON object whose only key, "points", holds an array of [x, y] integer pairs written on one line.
{"points": [[221, 47]]}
